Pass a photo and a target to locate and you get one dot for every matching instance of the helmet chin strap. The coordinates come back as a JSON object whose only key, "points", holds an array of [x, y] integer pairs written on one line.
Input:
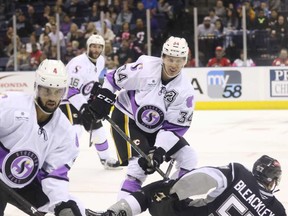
{"points": [[38, 105]]}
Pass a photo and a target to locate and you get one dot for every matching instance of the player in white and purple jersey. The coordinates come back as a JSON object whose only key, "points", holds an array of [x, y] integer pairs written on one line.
{"points": [[84, 71], [154, 107], [38, 145]]}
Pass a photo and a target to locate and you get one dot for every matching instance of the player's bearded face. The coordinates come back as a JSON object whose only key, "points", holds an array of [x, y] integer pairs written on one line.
{"points": [[49, 98], [95, 51], [173, 65]]}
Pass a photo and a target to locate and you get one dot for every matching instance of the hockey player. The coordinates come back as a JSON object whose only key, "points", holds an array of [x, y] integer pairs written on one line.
{"points": [[84, 71], [155, 108], [232, 190], [38, 145]]}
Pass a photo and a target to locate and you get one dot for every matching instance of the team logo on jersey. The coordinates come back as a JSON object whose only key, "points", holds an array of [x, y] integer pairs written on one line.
{"points": [[20, 167], [86, 90], [224, 84], [150, 116], [279, 83], [170, 96]]}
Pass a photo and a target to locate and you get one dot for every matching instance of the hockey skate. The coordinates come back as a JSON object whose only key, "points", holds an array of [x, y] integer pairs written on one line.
{"points": [[111, 164]]}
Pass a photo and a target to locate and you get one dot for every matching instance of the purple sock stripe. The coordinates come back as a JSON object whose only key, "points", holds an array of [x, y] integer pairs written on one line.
{"points": [[131, 185], [102, 146]]}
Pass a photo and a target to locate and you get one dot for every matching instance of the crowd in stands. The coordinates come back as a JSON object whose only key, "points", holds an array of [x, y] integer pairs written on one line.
{"points": [[220, 36]]}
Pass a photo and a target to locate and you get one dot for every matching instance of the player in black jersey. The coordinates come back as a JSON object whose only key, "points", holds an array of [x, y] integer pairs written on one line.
{"points": [[230, 190]]}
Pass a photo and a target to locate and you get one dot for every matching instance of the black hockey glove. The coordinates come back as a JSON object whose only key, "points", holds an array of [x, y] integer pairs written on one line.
{"points": [[102, 103], [157, 157], [94, 90], [68, 208], [86, 116]]}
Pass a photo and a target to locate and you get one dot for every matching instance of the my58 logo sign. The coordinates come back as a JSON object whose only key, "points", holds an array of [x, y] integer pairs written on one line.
{"points": [[224, 84]]}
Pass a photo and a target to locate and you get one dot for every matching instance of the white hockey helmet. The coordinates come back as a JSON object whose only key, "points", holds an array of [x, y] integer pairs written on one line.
{"points": [[52, 73], [95, 39], [176, 47]]}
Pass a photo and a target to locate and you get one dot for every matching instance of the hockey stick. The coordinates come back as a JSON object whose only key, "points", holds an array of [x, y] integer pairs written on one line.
{"points": [[132, 143], [27, 205]]}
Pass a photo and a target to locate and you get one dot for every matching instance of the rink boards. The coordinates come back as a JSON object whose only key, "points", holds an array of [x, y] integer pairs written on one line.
{"points": [[216, 88]]}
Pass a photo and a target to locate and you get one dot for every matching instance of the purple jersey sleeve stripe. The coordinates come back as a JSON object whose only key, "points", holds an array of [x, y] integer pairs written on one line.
{"points": [[3, 153], [176, 129], [72, 91], [60, 173], [111, 80], [134, 105]]}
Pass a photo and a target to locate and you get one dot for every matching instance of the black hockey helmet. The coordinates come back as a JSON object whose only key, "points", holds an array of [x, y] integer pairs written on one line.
{"points": [[266, 170]]}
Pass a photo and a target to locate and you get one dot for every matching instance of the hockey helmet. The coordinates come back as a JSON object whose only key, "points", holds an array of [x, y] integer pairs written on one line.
{"points": [[176, 47], [95, 39], [52, 73], [266, 170]]}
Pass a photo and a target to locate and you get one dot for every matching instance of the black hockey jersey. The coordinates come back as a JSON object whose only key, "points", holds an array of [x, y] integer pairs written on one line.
{"points": [[237, 193]]}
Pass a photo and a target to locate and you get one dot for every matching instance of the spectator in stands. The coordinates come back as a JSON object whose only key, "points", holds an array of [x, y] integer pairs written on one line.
{"points": [[90, 30], [73, 8], [250, 14], [219, 60], [47, 13], [190, 60], [32, 40], [35, 57], [279, 32], [111, 15], [94, 15], [22, 60], [10, 48], [282, 60], [124, 33], [273, 19], [165, 8], [125, 15], [231, 21], [47, 30], [206, 28], [124, 54], [32, 17], [46, 45], [139, 12], [54, 37], [59, 9], [139, 37], [65, 25], [220, 9], [72, 34], [8, 36], [69, 53], [23, 26], [261, 21], [108, 34], [240, 61], [263, 6], [213, 16]]}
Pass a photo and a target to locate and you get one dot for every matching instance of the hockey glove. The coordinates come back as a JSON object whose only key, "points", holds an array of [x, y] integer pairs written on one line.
{"points": [[68, 208], [157, 157], [102, 103], [94, 90], [86, 116]]}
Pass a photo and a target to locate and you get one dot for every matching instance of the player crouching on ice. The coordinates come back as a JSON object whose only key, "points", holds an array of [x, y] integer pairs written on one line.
{"points": [[232, 190]]}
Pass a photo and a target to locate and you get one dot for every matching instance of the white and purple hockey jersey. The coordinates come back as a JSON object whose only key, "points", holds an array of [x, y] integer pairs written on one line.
{"points": [[82, 75], [28, 151], [153, 105]]}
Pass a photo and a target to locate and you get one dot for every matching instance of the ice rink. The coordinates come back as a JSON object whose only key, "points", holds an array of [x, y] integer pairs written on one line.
{"points": [[219, 138]]}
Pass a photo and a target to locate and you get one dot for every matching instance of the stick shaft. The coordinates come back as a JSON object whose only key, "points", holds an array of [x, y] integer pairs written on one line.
{"points": [[128, 139], [27, 205]]}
